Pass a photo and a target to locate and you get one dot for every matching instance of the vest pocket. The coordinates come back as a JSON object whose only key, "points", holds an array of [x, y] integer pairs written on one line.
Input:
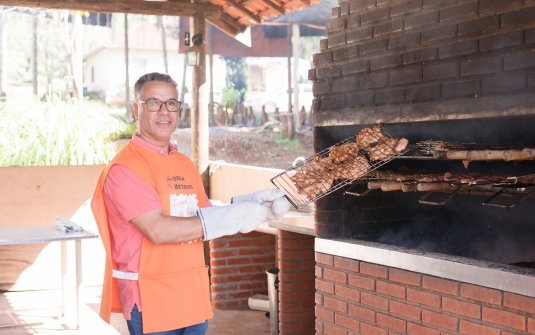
{"points": [[175, 300]]}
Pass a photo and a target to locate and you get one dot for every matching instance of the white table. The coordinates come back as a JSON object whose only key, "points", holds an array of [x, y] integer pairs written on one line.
{"points": [[26, 235]]}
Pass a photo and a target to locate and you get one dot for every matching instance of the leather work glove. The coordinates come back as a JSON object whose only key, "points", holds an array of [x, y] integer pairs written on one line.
{"points": [[242, 217], [278, 208], [273, 198], [268, 194]]}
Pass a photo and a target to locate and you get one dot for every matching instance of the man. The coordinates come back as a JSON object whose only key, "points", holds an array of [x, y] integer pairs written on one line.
{"points": [[152, 214]]}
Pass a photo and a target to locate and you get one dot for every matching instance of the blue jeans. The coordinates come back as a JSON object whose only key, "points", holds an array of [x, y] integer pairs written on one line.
{"points": [[135, 326]]}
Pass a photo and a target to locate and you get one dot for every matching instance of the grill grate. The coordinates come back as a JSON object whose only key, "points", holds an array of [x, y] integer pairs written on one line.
{"points": [[339, 165]]}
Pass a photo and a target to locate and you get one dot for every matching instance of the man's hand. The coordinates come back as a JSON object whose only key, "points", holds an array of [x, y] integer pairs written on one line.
{"points": [[278, 209], [266, 195], [273, 198], [240, 217]]}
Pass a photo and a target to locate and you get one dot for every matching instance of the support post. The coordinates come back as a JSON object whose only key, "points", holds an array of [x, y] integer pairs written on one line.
{"points": [[3, 51], [63, 277], [34, 51], [210, 40], [289, 38], [199, 115], [127, 79], [78, 252], [164, 42], [295, 55]]}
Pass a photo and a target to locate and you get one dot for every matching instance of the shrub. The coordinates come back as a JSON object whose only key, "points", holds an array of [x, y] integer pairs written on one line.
{"points": [[55, 132]]}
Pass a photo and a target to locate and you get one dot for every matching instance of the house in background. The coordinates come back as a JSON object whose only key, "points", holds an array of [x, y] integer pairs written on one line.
{"points": [[265, 66], [105, 69]]}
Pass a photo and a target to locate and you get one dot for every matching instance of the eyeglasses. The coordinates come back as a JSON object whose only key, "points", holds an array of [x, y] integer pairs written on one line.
{"points": [[154, 105]]}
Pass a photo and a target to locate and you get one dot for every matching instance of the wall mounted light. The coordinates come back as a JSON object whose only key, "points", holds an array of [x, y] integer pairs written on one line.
{"points": [[194, 53]]}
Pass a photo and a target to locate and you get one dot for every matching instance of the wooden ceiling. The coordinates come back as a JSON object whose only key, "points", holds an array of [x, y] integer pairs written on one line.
{"points": [[231, 16]]}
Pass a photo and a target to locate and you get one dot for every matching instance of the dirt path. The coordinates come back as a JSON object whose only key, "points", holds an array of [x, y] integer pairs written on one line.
{"points": [[266, 149]]}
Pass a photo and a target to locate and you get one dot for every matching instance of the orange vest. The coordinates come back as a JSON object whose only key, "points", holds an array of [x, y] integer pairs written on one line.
{"points": [[173, 279]]}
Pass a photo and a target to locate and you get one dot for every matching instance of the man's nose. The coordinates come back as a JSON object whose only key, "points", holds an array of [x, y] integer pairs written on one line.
{"points": [[163, 109]]}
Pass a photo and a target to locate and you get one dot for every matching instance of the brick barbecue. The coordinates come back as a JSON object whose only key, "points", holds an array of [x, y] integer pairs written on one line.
{"points": [[461, 71]]}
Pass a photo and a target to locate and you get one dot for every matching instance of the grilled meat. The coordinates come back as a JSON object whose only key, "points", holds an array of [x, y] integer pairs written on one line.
{"points": [[344, 152], [346, 161], [367, 136], [401, 144]]}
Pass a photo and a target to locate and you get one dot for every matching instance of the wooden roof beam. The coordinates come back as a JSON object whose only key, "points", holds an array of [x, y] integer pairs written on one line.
{"points": [[267, 14], [274, 6], [170, 8], [226, 24], [291, 3], [244, 10], [305, 3]]}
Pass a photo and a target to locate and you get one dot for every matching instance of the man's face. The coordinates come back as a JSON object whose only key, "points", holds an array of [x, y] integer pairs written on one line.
{"points": [[156, 127]]}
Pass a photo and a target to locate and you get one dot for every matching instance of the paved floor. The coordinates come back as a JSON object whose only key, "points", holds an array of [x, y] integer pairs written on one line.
{"points": [[43, 307]]}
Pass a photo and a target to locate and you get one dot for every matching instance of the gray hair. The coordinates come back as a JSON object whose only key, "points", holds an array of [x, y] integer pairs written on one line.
{"points": [[150, 77]]}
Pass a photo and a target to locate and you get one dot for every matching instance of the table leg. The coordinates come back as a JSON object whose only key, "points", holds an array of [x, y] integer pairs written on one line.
{"points": [[63, 276], [78, 279]]}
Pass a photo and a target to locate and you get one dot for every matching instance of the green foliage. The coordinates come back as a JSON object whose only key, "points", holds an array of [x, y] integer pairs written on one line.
{"points": [[291, 145], [236, 75], [230, 96], [125, 133], [308, 46], [55, 132]]}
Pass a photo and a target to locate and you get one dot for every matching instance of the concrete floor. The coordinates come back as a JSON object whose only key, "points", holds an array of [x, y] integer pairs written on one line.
{"points": [[44, 307]]}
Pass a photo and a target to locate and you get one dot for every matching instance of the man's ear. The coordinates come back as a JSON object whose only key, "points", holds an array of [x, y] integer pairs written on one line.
{"points": [[135, 111]]}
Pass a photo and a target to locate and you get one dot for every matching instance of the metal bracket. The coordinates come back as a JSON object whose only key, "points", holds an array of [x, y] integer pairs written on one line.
{"points": [[488, 201], [346, 192], [425, 202]]}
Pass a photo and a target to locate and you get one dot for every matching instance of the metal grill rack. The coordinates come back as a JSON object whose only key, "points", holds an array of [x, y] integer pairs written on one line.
{"points": [[521, 187], [338, 165]]}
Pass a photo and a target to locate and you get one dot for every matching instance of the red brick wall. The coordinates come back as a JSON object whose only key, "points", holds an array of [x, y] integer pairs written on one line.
{"points": [[238, 267], [296, 283], [355, 297], [409, 52]]}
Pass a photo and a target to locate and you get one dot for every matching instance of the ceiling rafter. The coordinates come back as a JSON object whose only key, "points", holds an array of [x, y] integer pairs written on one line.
{"points": [[267, 14], [244, 10], [292, 3], [231, 16], [118, 6], [274, 6], [226, 23]]}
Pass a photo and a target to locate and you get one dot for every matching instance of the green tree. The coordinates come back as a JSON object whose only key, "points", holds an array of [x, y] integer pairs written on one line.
{"points": [[236, 75]]}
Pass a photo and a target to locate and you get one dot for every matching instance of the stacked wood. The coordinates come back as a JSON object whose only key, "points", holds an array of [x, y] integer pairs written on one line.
{"points": [[252, 117], [302, 116], [265, 117]]}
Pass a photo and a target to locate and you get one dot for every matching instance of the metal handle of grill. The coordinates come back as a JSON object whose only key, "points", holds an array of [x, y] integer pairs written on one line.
{"points": [[488, 201], [434, 203], [371, 186]]}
